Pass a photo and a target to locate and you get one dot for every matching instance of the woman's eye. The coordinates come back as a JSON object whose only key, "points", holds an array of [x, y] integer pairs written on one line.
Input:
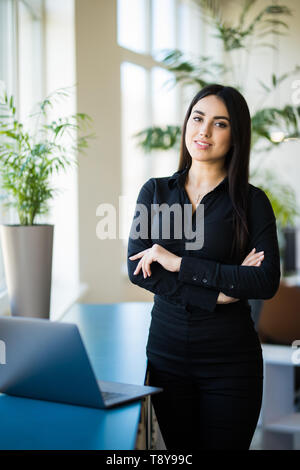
{"points": [[218, 124]]}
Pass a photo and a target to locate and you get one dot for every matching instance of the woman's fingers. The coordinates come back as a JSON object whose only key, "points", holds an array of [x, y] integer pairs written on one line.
{"points": [[256, 258], [252, 260], [147, 260], [138, 255], [250, 254], [141, 264], [138, 267], [147, 266], [144, 265], [253, 263]]}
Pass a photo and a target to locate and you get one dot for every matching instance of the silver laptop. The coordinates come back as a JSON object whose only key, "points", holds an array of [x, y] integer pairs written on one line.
{"points": [[47, 360]]}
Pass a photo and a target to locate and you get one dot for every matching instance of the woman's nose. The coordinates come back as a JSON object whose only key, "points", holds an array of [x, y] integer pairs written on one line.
{"points": [[205, 130]]}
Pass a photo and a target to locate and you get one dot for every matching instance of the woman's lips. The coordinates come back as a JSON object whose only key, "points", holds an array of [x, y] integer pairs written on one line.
{"points": [[202, 145]]}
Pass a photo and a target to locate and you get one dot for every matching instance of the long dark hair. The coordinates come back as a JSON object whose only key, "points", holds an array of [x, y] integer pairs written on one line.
{"points": [[236, 160]]}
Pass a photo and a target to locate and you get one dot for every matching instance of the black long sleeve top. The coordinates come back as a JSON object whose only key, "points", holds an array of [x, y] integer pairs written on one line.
{"points": [[207, 271]]}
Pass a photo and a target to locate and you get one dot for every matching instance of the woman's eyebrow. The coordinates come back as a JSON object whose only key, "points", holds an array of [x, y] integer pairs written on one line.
{"points": [[215, 117]]}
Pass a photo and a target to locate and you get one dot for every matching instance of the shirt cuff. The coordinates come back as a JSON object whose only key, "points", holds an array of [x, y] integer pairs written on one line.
{"points": [[198, 271], [194, 296]]}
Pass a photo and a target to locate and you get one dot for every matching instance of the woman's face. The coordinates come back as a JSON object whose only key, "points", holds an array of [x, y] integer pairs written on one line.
{"points": [[208, 131]]}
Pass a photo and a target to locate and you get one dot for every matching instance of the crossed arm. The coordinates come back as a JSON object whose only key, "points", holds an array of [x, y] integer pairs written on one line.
{"points": [[172, 263], [160, 271]]}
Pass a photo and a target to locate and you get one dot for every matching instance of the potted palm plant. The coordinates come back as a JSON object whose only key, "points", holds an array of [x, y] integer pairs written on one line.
{"points": [[30, 153]]}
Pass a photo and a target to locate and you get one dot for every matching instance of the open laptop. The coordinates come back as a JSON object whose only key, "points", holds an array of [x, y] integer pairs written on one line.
{"points": [[47, 360]]}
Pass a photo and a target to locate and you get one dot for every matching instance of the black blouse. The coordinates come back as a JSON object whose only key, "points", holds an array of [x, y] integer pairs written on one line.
{"points": [[209, 270]]}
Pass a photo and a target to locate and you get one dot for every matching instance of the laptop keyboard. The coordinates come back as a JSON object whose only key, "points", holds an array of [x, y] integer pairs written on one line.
{"points": [[110, 395]]}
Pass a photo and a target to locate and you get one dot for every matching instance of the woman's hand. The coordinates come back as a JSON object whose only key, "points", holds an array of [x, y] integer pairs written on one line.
{"points": [[157, 253], [253, 259], [225, 299]]}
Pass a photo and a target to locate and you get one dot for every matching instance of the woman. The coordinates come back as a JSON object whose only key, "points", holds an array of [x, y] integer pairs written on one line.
{"points": [[202, 348]]}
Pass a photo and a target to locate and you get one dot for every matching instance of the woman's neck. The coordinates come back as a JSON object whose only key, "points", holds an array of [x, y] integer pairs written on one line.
{"points": [[201, 179]]}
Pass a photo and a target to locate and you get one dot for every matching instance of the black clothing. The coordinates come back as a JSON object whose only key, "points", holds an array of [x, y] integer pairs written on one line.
{"points": [[195, 343], [219, 413], [206, 272], [191, 337]]}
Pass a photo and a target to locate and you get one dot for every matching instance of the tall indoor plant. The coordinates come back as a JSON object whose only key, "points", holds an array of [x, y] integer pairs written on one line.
{"points": [[252, 28], [30, 152]]}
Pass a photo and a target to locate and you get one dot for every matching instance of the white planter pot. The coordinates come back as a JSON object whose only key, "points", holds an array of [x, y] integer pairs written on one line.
{"points": [[27, 255]]}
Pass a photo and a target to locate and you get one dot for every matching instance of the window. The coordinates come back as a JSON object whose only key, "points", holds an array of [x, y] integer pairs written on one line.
{"points": [[191, 29], [30, 53], [21, 67], [163, 26], [7, 44], [146, 29], [134, 85], [165, 110], [132, 24]]}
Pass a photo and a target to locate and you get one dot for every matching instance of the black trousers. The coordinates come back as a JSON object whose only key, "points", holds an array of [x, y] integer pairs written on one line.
{"points": [[207, 413]]}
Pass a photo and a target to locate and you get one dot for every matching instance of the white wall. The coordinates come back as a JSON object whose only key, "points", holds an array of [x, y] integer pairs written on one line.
{"points": [[99, 172]]}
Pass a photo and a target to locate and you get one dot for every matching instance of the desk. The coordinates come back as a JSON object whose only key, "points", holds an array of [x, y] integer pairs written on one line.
{"points": [[115, 336]]}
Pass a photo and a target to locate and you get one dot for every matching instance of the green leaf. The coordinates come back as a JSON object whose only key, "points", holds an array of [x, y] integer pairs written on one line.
{"points": [[27, 159], [157, 138], [264, 86], [275, 22]]}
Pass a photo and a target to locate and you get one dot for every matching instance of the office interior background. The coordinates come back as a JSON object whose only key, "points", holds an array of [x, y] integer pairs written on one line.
{"points": [[109, 54]]}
